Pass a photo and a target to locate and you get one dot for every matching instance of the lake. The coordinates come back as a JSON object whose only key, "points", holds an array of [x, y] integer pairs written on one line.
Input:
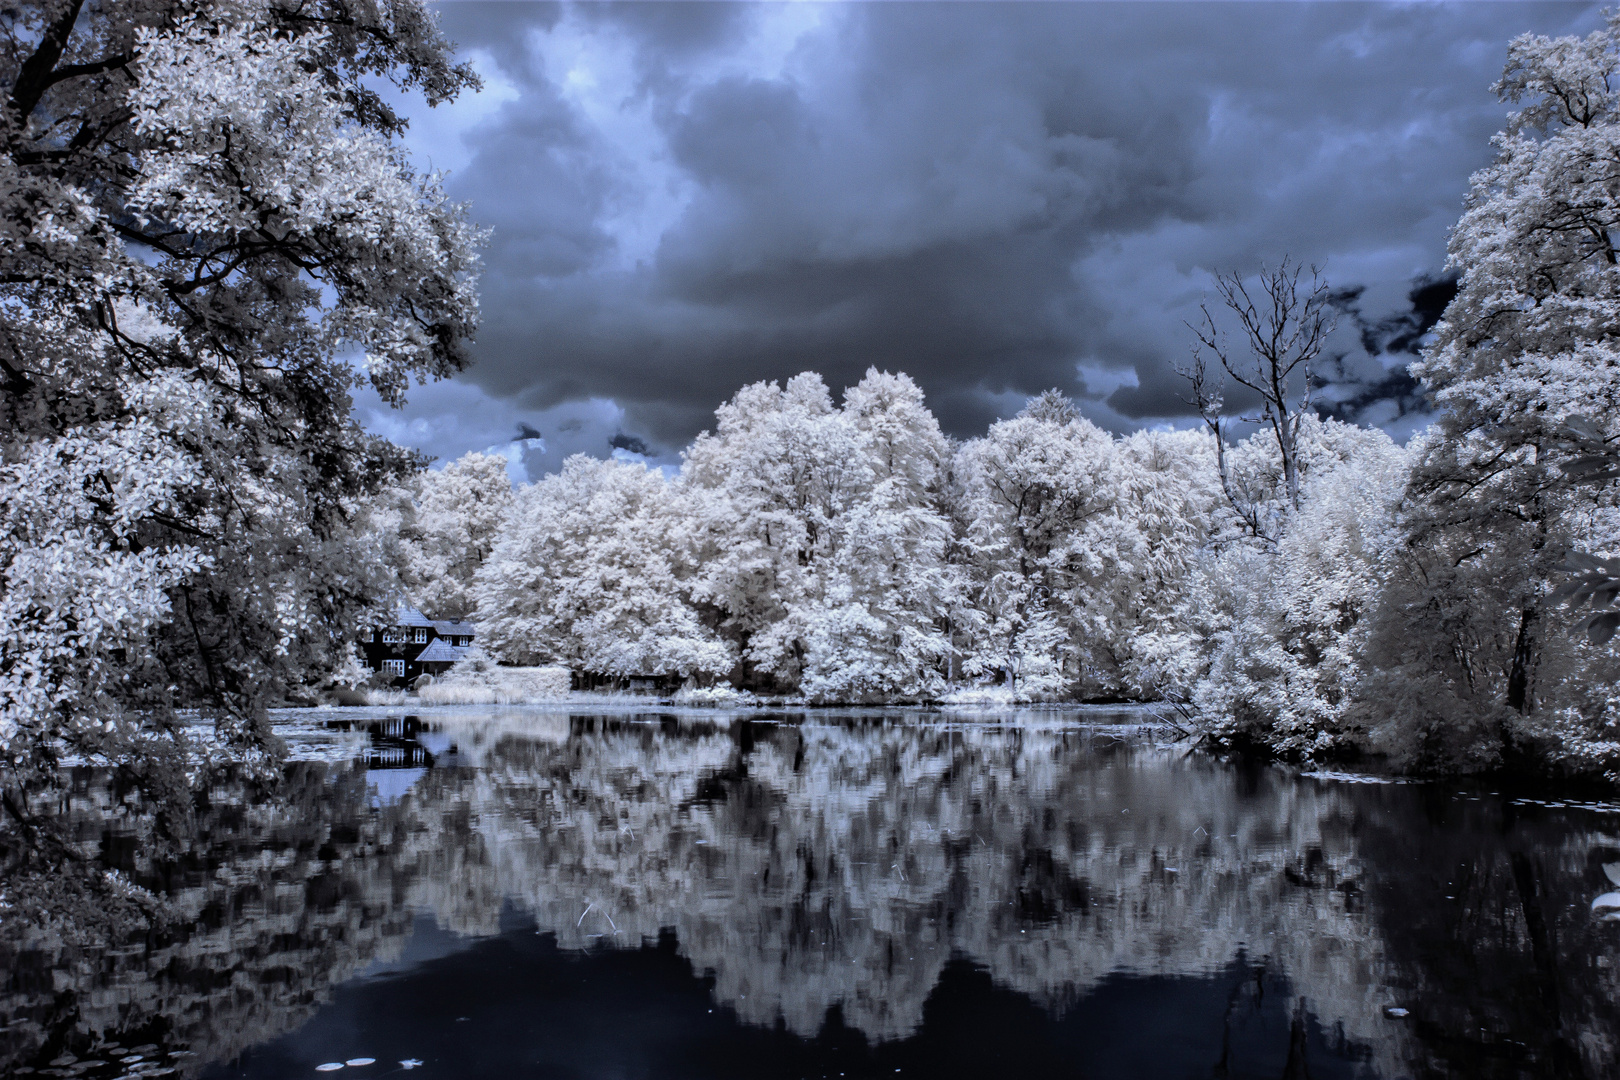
{"points": [[512, 892]]}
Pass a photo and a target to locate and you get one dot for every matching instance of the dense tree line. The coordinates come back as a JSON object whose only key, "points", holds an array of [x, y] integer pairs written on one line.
{"points": [[850, 552]]}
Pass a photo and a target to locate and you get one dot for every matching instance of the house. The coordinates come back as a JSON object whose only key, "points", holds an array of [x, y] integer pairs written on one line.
{"points": [[416, 645]]}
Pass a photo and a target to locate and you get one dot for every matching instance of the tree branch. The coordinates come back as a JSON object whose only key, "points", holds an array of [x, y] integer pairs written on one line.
{"points": [[35, 76]]}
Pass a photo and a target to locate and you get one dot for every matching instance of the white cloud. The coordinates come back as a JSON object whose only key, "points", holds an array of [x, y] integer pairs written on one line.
{"points": [[451, 418]]}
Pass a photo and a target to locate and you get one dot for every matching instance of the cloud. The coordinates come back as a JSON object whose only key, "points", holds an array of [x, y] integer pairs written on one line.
{"points": [[996, 199], [449, 419]]}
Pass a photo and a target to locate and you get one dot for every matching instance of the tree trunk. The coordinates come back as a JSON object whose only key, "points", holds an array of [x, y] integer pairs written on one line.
{"points": [[1518, 696], [1289, 448]]}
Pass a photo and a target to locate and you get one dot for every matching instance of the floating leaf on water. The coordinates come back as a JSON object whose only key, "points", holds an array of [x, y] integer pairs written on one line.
{"points": [[330, 1066], [410, 1063], [1395, 1011], [1611, 870], [1608, 902], [360, 1061]]}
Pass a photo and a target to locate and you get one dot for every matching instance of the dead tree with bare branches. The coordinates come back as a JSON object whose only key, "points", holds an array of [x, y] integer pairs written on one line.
{"points": [[1285, 322]]}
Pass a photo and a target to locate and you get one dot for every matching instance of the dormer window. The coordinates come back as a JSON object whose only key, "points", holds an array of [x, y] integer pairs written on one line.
{"points": [[419, 636]]}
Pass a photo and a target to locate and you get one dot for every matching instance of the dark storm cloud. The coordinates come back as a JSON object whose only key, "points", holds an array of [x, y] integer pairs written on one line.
{"points": [[1371, 384], [996, 199]]}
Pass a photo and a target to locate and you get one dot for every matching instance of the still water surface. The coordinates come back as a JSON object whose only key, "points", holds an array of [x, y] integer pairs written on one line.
{"points": [[517, 893]]}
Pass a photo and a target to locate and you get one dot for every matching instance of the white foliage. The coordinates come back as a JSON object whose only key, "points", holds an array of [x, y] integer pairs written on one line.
{"points": [[182, 488], [850, 553], [1077, 543], [824, 543], [450, 520], [1472, 654], [476, 680], [74, 590], [593, 570], [781, 467], [1269, 638], [247, 136]]}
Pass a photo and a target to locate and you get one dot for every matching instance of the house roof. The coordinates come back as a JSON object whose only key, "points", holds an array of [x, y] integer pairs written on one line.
{"points": [[455, 628], [411, 617], [439, 652]]}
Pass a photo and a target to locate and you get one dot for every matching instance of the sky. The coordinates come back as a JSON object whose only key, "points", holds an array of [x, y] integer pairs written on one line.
{"points": [[995, 198]]}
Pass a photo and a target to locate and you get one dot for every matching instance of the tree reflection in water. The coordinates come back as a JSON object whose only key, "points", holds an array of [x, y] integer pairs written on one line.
{"points": [[875, 893]]}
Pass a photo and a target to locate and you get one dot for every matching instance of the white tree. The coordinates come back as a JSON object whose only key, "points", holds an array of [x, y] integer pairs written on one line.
{"points": [[881, 627], [1042, 536], [1170, 495], [1471, 656], [450, 520], [594, 570], [1272, 637], [782, 466], [825, 539], [201, 207]]}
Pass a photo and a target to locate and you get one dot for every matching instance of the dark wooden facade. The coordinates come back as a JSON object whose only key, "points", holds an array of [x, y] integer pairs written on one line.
{"points": [[416, 645]]}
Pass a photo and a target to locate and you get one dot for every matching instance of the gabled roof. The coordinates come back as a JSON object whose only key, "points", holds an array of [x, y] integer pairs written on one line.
{"points": [[411, 617], [439, 652], [454, 628]]}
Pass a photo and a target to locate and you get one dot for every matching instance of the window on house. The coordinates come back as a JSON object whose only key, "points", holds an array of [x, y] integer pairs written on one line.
{"points": [[420, 636], [394, 635], [394, 667]]}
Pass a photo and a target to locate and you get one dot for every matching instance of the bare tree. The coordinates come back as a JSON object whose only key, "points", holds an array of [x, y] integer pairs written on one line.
{"points": [[1208, 398], [1284, 330]]}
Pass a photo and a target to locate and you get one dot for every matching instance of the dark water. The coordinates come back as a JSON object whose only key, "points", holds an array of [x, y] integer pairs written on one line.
{"points": [[512, 894]]}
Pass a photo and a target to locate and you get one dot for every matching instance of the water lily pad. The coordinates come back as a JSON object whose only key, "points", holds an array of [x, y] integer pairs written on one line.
{"points": [[330, 1066], [360, 1061]]}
